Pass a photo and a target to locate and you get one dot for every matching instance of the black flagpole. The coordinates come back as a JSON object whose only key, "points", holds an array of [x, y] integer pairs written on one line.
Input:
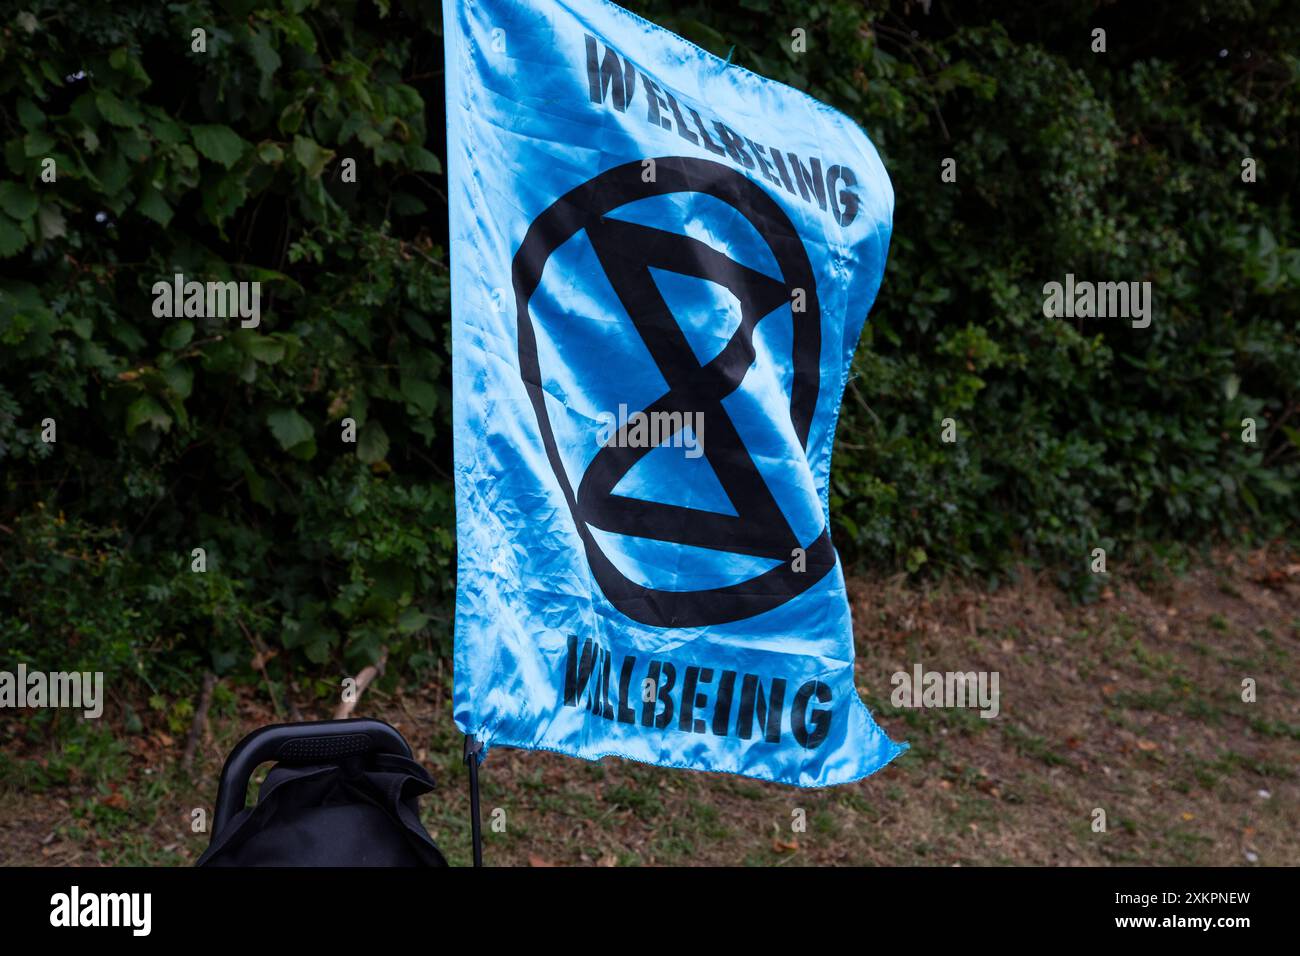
{"points": [[472, 748]]}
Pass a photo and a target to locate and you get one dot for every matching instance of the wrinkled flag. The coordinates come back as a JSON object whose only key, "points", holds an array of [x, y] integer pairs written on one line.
{"points": [[661, 264]]}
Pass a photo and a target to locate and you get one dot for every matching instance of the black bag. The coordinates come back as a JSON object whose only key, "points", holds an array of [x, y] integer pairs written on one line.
{"points": [[342, 793]]}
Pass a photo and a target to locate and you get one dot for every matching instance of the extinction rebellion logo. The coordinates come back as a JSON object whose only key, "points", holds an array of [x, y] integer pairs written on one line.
{"points": [[627, 252]]}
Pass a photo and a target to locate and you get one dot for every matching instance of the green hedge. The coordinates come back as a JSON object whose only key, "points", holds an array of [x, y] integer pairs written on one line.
{"points": [[174, 434]]}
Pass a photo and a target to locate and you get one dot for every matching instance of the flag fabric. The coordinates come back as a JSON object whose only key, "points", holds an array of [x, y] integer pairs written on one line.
{"points": [[661, 264]]}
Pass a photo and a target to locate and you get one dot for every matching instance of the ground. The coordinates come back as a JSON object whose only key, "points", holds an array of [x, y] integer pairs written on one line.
{"points": [[1132, 705]]}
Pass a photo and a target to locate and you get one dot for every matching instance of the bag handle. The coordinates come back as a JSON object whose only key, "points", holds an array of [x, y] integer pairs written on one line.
{"points": [[316, 741]]}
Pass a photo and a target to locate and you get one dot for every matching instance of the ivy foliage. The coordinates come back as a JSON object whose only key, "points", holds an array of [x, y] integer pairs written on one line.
{"points": [[227, 163], [1122, 166]]}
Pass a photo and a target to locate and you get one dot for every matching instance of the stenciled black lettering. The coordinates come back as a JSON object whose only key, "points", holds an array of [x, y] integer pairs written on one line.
{"points": [[767, 709], [608, 73], [606, 708], [578, 671], [662, 690], [691, 701], [722, 709], [709, 144], [763, 165], [780, 168], [807, 177], [655, 103], [682, 131], [844, 204], [612, 78], [593, 688], [821, 718], [626, 715], [734, 145]]}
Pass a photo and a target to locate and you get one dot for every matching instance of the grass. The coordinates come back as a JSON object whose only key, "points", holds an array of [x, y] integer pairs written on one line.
{"points": [[1132, 704]]}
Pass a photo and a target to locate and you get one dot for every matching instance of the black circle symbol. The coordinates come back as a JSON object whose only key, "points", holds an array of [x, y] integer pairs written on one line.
{"points": [[627, 251]]}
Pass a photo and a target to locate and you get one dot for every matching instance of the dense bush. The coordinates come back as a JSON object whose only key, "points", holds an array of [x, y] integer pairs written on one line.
{"points": [[176, 434]]}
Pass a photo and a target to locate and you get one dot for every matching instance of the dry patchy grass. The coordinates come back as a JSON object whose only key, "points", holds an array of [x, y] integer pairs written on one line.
{"points": [[1132, 705]]}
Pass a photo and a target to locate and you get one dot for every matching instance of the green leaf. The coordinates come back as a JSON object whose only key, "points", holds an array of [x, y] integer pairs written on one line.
{"points": [[51, 221], [29, 114], [296, 29], [219, 143], [126, 64], [419, 325], [153, 205], [17, 200], [93, 355], [116, 111], [178, 335], [372, 443], [38, 143], [12, 239], [311, 155], [257, 487], [180, 379], [222, 198], [404, 204], [304, 451], [289, 428], [420, 393], [167, 131], [270, 153], [318, 651], [84, 111], [82, 327], [264, 55], [265, 349], [423, 161], [146, 411], [112, 171], [291, 118], [411, 620]]}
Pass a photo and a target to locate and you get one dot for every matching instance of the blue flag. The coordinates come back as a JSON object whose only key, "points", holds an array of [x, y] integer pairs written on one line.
{"points": [[661, 264]]}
